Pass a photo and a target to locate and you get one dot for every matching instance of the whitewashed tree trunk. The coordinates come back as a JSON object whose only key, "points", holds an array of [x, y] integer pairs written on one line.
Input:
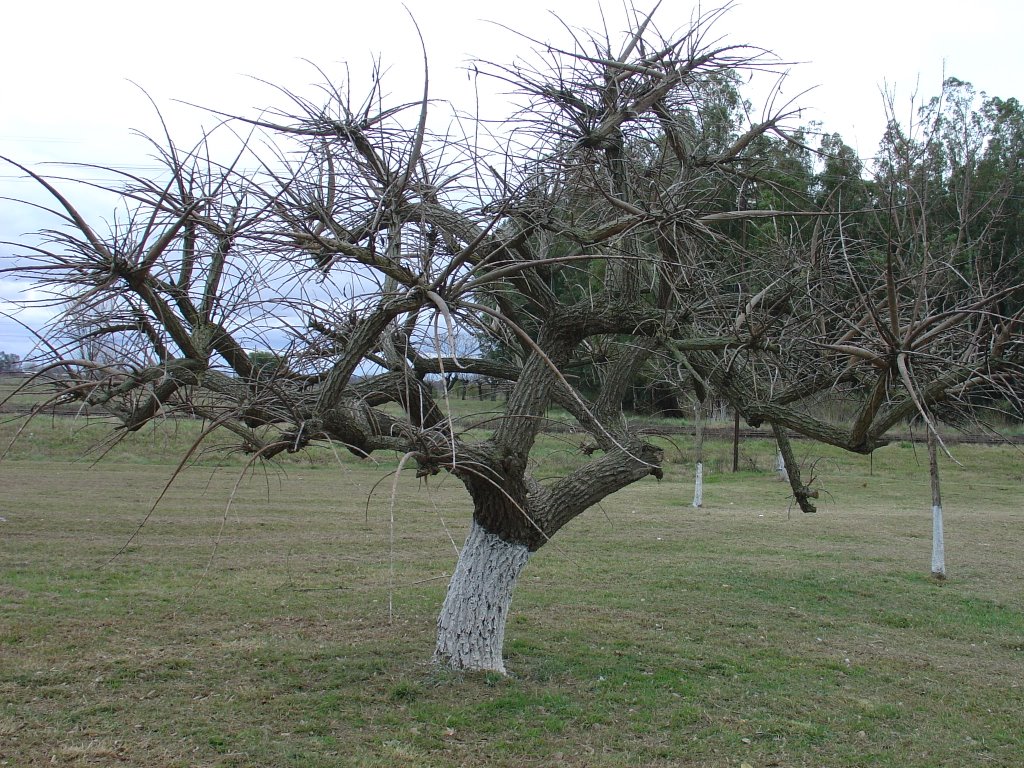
{"points": [[780, 466], [938, 538], [698, 485], [698, 473], [471, 626]]}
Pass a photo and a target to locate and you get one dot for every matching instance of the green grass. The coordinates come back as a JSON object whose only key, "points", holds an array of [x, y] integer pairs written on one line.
{"points": [[647, 633]]}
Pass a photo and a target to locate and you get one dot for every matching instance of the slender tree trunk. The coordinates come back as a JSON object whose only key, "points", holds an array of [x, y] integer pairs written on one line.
{"points": [[938, 539], [736, 441], [471, 626], [742, 202], [698, 478]]}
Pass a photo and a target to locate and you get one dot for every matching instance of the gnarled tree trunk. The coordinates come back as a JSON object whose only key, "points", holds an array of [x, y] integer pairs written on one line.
{"points": [[513, 516], [471, 626]]}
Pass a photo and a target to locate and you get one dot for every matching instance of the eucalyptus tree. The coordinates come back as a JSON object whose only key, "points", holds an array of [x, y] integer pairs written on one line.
{"points": [[600, 238]]}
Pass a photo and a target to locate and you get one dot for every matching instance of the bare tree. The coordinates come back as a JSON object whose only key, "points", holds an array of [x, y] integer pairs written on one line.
{"points": [[600, 237]]}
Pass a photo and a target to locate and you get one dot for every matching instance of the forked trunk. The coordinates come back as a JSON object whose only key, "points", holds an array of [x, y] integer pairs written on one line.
{"points": [[471, 627]]}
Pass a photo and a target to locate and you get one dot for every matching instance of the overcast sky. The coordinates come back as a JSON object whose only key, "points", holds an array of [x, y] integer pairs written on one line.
{"points": [[67, 65]]}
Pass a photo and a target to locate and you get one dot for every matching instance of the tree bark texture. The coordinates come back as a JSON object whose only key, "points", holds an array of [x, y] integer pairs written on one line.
{"points": [[790, 470], [471, 626]]}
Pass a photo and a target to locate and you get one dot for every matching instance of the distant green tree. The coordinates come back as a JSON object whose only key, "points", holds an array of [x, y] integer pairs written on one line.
{"points": [[265, 365], [959, 172], [1000, 179], [9, 363], [840, 186]]}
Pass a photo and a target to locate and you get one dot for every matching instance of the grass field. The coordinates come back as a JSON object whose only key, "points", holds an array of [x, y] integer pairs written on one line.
{"points": [[258, 633]]}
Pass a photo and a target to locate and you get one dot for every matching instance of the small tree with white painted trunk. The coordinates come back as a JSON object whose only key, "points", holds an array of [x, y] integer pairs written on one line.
{"points": [[598, 232]]}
